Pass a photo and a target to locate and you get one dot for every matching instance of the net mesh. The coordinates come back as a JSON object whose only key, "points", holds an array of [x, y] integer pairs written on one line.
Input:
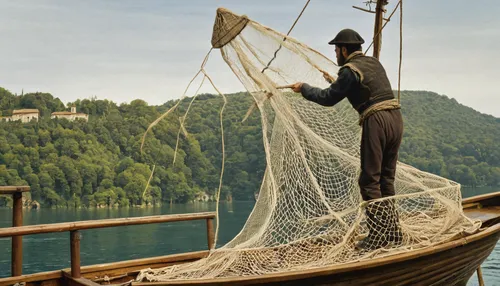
{"points": [[309, 212]]}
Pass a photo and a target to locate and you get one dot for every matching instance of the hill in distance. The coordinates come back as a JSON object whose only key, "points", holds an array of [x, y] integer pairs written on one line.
{"points": [[99, 163]]}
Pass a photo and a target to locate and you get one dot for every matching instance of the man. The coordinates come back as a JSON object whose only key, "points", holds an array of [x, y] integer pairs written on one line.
{"points": [[364, 82]]}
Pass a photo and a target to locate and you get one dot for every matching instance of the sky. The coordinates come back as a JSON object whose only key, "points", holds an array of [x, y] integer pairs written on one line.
{"points": [[123, 50]]}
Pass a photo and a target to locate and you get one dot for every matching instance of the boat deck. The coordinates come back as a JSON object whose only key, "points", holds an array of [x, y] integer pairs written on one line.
{"points": [[485, 207], [487, 214]]}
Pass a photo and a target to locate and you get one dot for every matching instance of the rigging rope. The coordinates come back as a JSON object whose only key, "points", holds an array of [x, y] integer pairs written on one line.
{"points": [[223, 160], [165, 115], [284, 39], [400, 47]]}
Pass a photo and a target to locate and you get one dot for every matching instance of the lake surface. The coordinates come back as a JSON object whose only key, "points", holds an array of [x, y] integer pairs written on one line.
{"points": [[45, 252]]}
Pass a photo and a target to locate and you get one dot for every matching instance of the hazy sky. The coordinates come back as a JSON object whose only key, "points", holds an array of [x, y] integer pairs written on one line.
{"points": [[149, 49]]}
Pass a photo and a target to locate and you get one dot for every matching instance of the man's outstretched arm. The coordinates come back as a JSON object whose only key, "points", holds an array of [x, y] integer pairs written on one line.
{"points": [[333, 94]]}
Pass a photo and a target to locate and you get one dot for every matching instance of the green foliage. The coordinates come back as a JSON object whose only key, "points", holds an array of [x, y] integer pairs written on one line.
{"points": [[100, 163], [451, 140]]}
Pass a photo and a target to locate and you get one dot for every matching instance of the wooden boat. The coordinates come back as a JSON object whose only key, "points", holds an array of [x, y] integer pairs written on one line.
{"points": [[450, 263]]}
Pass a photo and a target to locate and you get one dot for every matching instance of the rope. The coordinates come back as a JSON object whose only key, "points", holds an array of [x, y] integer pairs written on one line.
{"points": [[284, 38], [383, 105], [165, 115], [223, 159], [400, 47], [177, 104], [149, 180], [183, 119]]}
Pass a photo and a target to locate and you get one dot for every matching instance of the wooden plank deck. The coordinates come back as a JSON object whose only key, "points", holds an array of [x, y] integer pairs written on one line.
{"points": [[484, 214]]}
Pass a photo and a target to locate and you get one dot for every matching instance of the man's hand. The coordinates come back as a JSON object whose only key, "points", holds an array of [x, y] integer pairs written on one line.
{"points": [[296, 86]]}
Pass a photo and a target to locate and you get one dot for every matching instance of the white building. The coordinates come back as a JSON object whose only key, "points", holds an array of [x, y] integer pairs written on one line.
{"points": [[25, 115], [70, 115]]}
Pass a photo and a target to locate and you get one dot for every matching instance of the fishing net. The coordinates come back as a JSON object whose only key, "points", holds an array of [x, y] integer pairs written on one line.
{"points": [[309, 212]]}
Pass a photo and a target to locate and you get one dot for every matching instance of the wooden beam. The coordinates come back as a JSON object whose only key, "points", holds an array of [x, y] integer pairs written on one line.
{"points": [[17, 241], [91, 271], [484, 199], [114, 270], [123, 271], [210, 234], [363, 9], [377, 34], [75, 253], [79, 225], [72, 281], [9, 190], [480, 276], [472, 205], [146, 261], [37, 277], [368, 11]]}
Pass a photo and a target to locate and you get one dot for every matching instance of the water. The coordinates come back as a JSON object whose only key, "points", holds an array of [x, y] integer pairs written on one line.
{"points": [[45, 252]]}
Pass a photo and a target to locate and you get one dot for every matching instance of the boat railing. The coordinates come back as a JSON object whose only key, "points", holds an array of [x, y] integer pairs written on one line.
{"points": [[17, 220], [74, 228]]}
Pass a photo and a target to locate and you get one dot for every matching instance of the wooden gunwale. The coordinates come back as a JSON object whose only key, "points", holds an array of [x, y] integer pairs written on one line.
{"points": [[35, 277], [340, 269], [407, 273], [86, 271], [482, 198], [443, 268]]}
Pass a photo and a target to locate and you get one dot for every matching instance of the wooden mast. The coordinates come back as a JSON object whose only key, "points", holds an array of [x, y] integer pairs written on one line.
{"points": [[379, 23], [377, 33]]}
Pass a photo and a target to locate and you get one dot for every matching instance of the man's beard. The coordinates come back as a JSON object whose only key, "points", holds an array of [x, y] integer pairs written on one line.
{"points": [[341, 60]]}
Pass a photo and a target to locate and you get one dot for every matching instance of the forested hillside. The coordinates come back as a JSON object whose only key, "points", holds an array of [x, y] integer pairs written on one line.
{"points": [[449, 139], [99, 162]]}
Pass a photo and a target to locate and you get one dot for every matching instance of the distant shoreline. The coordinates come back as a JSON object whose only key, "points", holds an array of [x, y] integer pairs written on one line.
{"points": [[144, 206]]}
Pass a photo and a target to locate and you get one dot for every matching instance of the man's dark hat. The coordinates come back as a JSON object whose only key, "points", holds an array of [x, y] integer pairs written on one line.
{"points": [[347, 37]]}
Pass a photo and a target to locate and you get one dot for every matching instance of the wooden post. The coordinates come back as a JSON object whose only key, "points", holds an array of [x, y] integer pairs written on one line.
{"points": [[17, 241], [75, 253], [377, 34], [480, 276], [210, 233]]}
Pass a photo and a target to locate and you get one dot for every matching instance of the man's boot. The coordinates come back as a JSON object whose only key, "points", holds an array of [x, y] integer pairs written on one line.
{"points": [[383, 226], [393, 230]]}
